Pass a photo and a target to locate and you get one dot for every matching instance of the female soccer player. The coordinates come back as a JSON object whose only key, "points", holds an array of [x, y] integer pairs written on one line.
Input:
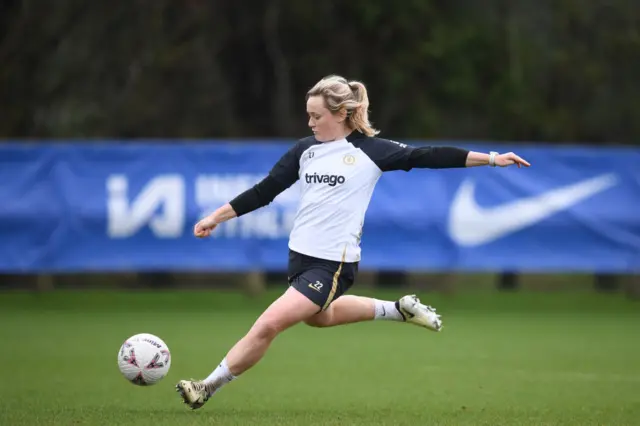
{"points": [[338, 168]]}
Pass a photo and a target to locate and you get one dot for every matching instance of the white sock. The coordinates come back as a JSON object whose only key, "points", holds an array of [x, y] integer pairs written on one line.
{"points": [[386, 310], [219, 377]]}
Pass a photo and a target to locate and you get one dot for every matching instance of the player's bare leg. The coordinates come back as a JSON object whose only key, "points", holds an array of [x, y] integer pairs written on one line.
{"points": [[289, 309], [352, 309]]}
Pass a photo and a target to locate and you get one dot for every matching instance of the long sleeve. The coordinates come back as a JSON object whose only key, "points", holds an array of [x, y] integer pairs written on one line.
{"points": [[445, 157], [283, 174], [389, 155], [259, 195]]}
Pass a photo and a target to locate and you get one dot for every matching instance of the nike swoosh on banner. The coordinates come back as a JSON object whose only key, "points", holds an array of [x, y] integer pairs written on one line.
{"points": [[471, 225]]}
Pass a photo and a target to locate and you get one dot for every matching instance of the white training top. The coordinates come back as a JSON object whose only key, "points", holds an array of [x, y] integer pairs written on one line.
{"points": [[337, 180]]}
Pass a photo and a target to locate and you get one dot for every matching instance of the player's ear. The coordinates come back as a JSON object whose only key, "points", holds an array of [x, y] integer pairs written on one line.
{"points": [[341, 115]]}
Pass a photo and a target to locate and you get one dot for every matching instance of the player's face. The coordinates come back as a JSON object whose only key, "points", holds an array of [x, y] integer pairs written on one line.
{"points": [[325, 125]]}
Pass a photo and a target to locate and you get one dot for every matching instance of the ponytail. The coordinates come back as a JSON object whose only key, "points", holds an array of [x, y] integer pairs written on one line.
{"points": [[358, 118]]}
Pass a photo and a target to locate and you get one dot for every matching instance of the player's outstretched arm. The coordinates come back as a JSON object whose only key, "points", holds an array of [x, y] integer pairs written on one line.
{"points": [[283, 174], [259, 195], [390, 155], [446, 157]]}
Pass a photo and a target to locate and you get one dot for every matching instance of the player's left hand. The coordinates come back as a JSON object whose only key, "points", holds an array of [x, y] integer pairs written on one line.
{"points": [[509, 159]]}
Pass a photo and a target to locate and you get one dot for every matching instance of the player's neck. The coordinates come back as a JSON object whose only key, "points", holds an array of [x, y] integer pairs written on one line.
{"points": [[341, 136]]}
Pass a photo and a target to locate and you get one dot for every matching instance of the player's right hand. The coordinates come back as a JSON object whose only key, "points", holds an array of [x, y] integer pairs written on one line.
{"points": [[204, 228]]}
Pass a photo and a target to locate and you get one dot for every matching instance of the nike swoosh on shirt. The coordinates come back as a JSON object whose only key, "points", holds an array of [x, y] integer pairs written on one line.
{"points": [[472, 225]]}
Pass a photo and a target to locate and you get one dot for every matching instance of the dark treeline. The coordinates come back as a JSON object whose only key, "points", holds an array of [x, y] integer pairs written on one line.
{"points": [[555, 71]]}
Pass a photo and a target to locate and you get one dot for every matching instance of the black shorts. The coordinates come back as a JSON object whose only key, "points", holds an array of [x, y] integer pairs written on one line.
{"points": [[322, 281]]}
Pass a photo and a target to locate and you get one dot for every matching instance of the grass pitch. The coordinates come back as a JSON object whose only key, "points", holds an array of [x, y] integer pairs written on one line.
{"points": [[502, 359]]}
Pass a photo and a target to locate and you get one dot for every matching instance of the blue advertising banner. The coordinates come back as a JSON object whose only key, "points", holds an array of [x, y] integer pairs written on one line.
{"points": [[112, 206]]}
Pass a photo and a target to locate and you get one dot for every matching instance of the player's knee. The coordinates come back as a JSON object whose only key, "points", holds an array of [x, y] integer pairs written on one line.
{"points": [[323, 319], [267, 328]]}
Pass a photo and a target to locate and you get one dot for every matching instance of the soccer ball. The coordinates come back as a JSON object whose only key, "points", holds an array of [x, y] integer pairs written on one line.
{"points": [[144, 359]]}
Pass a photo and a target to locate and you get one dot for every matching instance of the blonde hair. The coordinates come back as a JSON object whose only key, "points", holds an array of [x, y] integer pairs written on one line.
{"points": [[339, 94]]}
